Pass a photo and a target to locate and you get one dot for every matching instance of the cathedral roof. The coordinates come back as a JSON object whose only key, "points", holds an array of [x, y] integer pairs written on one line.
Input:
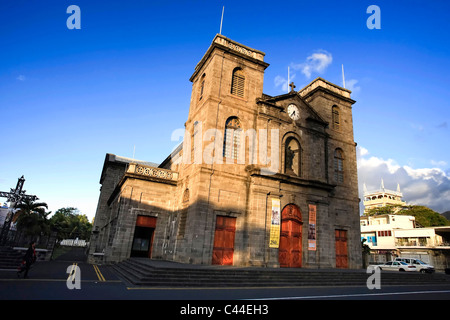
{"points": [[272, 100]]}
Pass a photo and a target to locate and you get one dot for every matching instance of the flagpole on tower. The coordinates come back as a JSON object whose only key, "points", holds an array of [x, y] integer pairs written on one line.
{"points": [[288, 81], [343, 77], [221, 20]]}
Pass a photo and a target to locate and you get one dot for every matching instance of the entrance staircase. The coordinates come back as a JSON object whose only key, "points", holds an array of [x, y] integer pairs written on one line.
{"points": [[153, 273], [9, 258]]}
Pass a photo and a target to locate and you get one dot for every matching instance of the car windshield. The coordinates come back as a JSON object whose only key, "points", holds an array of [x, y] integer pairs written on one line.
{"points": [[403, 263], [420, 262]]}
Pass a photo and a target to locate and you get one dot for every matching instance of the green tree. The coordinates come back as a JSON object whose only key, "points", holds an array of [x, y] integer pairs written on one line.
{"points": [[31, 218], [375, 211], [365, 252], [70, 224], [425, 216]]}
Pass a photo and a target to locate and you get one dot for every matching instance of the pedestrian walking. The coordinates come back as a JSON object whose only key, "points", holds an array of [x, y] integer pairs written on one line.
{"points": [[28, 259]]}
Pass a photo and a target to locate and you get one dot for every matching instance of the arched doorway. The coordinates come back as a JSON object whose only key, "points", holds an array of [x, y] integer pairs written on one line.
{"points": [[290, 249]]}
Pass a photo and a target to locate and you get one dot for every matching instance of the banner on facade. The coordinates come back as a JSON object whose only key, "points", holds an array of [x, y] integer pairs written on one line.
{"points": [[275, 224], [312, 228]]}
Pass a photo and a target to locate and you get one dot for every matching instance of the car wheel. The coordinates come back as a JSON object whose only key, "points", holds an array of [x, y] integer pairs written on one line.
{"points": [[423, 271], [401, 270]]}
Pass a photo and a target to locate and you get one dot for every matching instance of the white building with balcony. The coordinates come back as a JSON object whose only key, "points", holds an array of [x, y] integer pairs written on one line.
{"points": [[391, 236], [383, 197]]}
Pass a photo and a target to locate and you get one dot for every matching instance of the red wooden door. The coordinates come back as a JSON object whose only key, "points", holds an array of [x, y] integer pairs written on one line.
{"points": [[223, 249], [290, 249], [341, 249], [144, 233]]}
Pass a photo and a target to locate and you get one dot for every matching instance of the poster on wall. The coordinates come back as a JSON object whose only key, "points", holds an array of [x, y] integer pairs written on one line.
{"points": [[312, 228], [275, 224]]}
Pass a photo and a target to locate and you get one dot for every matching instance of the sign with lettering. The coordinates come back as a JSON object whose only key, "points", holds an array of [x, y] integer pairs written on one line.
{"points": [[237, 48], [312, 228], [275, 224]]}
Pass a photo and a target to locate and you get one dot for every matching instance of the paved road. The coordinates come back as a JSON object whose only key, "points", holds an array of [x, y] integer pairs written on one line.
{"points": [[49, 281]]}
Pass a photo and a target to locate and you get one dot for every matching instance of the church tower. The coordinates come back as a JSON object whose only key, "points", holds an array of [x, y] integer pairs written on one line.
{"points": [[225, 85], [259, 180]]}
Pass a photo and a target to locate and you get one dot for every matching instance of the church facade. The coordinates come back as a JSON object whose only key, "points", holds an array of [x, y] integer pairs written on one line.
{"points": [[259, 180]]}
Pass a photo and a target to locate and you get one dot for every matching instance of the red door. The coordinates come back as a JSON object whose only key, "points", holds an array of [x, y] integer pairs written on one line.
{"points": [[290, 249], [341, 249], [224, 241], [144, 232]]}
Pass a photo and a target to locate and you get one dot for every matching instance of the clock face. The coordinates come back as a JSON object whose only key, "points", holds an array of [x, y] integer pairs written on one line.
{"points": [[293, 112]]}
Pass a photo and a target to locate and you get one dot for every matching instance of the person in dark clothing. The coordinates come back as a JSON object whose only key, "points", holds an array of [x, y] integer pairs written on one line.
{"points": [[28, 259]]}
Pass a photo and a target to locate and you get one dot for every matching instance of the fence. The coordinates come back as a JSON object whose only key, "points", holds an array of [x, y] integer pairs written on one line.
{"points": [[74, 242]]}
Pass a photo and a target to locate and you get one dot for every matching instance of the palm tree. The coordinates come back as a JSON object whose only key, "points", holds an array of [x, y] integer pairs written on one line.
{"points": [[32, 218]]}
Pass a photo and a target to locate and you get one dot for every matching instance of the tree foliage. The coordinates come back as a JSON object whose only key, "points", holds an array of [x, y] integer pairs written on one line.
{"points": [[425, 216], [375, 211], [32, 218], [70, 224]]}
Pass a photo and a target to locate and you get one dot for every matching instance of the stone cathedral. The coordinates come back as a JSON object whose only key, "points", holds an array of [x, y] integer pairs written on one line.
{"points": [[259, 180]]}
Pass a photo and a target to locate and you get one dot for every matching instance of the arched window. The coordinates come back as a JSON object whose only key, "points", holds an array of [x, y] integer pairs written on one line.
{"points": [[232, 138], [186, 196], [292, 157], [183, 214], [238, 82], [202, 87], [339, 165], [336, 117]]}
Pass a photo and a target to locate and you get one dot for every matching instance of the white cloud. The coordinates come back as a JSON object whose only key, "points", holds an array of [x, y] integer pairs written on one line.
{"points": [[423, 186], [282, 83], [21, 77], [315, 63], [361, 151], [351, 85], [438, 163]]}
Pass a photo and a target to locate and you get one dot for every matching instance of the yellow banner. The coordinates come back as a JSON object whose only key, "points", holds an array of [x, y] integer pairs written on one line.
{"points": [[275, 224], [312, 228]]}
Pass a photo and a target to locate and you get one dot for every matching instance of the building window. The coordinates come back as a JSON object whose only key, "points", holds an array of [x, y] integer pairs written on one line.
{"points": [[238, 82], [186, 196], [195, 149], [386, 233], [232, 138], [336, 117], [339, 166], [202, 87], [182, 222], [183, 214]]}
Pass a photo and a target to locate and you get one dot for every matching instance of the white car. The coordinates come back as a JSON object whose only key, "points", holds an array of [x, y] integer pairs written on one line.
{"points": [[420, 265], [396, 266]]}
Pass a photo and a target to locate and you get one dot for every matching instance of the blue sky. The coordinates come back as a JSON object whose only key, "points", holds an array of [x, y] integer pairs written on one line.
{"points": [[68, 97]]}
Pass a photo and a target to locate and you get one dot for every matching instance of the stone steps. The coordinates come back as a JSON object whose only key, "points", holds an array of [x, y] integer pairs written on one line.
{"points": [[145, 272], [9, 258]]}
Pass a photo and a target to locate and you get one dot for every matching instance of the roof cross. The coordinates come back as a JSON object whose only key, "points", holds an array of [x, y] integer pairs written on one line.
{"points": [[292, 86]]}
